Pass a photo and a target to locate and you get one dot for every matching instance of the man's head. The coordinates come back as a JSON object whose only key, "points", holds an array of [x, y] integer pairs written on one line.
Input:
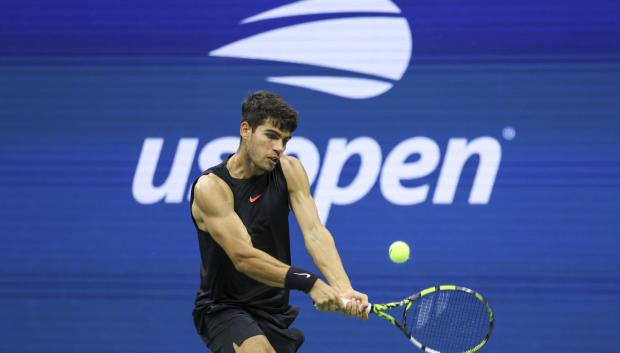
{"points": [[266, 126], [260, 106]]}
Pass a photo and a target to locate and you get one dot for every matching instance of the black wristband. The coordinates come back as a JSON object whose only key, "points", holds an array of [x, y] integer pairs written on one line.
{"points": [[300, 279]]}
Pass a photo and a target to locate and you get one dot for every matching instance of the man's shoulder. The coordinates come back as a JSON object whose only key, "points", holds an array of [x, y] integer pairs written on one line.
{"points": [[212, 186], [294, 173], [290, 164]]}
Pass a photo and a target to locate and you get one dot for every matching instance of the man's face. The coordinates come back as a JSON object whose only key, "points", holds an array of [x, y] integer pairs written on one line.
{"points": [[266, 144]]}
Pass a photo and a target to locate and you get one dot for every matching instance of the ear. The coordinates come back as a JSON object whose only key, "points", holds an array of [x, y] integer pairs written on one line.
{"points": [[245, 130]]}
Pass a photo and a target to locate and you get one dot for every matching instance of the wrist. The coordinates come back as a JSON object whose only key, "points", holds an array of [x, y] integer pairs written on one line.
{"points": [[342, 287], [300, 279]]}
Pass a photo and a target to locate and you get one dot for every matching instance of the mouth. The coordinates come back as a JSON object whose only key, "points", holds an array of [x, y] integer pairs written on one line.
{"points": [[273, 159]]}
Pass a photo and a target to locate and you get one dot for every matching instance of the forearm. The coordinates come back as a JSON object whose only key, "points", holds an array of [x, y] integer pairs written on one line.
{"points": [[322, 249], [262, 267]]}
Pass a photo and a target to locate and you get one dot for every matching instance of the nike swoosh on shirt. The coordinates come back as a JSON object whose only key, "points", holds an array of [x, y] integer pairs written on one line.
{"points": [[302, 274], [253, 199]]}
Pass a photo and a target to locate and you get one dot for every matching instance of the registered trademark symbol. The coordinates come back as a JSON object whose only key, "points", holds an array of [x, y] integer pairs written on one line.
{"points": [[509, 133]]}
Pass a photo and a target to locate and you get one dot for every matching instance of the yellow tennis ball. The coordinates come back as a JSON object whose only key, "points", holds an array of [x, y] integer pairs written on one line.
{"points": [[399, 252]]}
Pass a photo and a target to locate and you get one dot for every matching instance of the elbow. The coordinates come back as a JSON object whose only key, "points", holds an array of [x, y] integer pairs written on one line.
{"points": [[242, 266], [242, 260]]}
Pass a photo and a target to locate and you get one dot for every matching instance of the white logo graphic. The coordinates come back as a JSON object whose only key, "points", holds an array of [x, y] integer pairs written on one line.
{"points": [[390, 169], [302, 274], [377, 46]]}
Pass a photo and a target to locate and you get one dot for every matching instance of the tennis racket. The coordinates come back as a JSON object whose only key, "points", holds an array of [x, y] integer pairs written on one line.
{"points": [[442, 319]]}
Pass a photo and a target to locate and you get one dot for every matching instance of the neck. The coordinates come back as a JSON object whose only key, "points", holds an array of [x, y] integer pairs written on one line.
{"points": [[240, 166]]}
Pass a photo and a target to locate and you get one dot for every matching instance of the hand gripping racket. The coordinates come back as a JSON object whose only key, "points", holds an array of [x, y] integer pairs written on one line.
{"points": [[442, 319]]}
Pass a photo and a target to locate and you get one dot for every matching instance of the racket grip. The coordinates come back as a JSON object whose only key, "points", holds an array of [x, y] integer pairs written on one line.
{"points": [[346, 301]]}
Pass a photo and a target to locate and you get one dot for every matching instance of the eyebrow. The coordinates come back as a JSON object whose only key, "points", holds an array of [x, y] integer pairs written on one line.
{"points": [[277, 133]]}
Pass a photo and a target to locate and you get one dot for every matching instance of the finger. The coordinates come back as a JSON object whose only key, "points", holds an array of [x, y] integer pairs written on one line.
{"points": [[364, 301], [349, 309], [323, 306], [338, 304], [354, 309], [359, 313], [363, 313], [328, 305], [346, 304]]}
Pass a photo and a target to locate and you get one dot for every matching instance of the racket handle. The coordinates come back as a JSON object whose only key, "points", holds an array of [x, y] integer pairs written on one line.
{"points": [[346, 301]]}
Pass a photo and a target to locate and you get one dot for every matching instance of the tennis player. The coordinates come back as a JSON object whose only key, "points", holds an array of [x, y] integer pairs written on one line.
{"points": [[240, 209]]}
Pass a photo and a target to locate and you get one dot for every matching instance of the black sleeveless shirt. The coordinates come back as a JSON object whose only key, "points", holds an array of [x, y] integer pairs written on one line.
{"points": [[262, 204]]}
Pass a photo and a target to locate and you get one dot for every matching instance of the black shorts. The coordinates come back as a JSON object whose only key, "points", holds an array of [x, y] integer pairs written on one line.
{"points": [[219, 329]]}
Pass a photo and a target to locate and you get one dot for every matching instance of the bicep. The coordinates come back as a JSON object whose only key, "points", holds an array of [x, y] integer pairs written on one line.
{"points": [[302, 203], [316, 236], [229, 232], [306, 213], [214, 213]]}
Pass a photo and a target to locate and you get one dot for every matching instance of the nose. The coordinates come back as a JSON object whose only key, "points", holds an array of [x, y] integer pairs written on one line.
{"points": [[278, 147]]}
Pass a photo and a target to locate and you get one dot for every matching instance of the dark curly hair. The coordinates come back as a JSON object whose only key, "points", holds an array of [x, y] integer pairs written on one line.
{"points": [[260, 106]]}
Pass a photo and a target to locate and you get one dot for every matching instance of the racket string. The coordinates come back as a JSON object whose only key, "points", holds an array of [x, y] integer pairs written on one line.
{"points": [[448, 321]]}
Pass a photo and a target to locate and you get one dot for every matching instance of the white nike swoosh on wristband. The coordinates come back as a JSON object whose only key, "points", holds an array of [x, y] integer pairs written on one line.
{"points": [[302, 274]]}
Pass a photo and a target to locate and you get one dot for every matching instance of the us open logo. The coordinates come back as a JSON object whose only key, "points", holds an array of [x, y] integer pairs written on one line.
{"points": [[372, 51]]}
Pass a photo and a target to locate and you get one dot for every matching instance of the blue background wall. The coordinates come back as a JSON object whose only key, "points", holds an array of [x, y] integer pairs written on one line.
{"points": [[84, 267]]}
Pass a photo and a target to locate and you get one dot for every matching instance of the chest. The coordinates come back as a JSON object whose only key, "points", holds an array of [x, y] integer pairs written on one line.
{"points": [[261, 203]]}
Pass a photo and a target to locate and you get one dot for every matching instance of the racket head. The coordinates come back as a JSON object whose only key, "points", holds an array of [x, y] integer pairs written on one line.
{"points": [[443, 319]]}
